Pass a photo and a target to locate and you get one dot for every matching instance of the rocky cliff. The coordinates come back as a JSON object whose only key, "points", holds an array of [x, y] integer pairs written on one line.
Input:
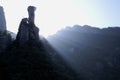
{"points": [[5, 37], [2, 20]]}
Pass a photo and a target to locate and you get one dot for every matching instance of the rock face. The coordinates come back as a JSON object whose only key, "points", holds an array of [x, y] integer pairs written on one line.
{"points": [[5, 37], [27, 29], [27, 32], [2, 20], [5, 40], [93, 52]]}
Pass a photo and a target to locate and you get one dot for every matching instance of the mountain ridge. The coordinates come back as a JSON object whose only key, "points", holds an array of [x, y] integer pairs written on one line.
{"points": [[92, 52]]}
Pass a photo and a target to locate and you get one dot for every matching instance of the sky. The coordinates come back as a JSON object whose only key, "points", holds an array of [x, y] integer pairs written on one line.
{"points": [[52, 15]]}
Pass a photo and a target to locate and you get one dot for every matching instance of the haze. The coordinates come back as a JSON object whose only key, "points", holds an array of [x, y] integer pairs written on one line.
{"points": [[52, 15]]}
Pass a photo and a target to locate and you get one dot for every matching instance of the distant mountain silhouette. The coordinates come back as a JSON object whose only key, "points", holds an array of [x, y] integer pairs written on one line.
{"points": [[92, 52]]}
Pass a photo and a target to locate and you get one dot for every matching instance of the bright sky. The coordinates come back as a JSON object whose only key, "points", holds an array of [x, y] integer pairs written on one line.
{"points": [[52, 15]]}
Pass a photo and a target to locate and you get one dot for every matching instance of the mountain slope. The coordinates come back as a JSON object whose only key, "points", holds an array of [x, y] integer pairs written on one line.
{"points": [[32, 62], [92, 52]]}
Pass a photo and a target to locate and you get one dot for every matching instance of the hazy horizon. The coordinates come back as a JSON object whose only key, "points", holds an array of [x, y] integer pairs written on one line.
{"points": [[56, 14]]}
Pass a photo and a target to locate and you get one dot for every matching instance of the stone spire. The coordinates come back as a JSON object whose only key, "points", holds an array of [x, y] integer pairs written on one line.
{"points": [[31, 13], [2, 20], [28, 31]]}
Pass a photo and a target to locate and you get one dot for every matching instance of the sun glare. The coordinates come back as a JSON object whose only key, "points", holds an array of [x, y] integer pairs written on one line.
{"points": [[51, 15]]}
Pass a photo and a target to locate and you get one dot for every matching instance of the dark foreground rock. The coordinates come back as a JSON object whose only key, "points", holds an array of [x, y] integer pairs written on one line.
{"points": [[32, 62], [5, 40], [26, 32]]}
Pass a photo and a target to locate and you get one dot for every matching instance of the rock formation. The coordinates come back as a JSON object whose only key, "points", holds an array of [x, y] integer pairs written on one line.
{"points": [[27, 29], [5, 38], [28, 58], [2, 20]]}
